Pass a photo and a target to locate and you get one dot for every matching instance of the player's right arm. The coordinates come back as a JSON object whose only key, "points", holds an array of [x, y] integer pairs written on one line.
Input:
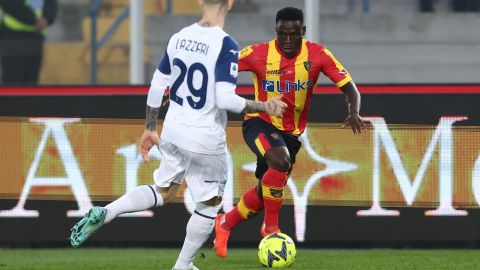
{"points": [[246, 63], [226, 73], [160, 82]]}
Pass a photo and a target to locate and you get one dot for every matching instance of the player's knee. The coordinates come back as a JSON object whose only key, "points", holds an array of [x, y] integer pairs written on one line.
{"points": [[201, 222], [168, 193], [207, 211], [278, 159], [214, 201], [280, 163]]}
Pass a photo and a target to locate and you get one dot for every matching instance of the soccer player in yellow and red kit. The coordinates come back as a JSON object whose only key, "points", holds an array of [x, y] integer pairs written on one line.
{"points": [[290, 66]]}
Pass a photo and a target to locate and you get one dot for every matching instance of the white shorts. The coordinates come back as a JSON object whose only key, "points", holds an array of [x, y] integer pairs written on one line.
{"points": [[206, 175]]}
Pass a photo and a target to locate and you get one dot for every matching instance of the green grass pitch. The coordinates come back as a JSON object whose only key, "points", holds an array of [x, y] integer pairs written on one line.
{"points": [[161, 258]]}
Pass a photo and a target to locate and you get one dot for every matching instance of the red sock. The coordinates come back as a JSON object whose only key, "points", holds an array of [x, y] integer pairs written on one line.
{"points": [[273, 183], [248, 206]]}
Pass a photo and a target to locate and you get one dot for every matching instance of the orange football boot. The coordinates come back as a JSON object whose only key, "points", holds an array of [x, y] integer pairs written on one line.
{"points": [[221, 238], [264, 233]]}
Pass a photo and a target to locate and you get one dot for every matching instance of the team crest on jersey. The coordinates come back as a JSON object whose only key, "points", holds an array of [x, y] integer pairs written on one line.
{"points": [[307, 65]]}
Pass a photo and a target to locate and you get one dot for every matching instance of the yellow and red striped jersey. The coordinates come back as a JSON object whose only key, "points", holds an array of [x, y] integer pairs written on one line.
{"points": [[295, 78]]}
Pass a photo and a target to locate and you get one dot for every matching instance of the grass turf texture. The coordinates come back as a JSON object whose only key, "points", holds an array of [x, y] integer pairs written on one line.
{"points": [[136, 258]]}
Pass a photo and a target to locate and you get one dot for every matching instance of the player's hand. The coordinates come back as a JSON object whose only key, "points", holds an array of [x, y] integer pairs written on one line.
{"points": [[148, 140], [275, 106], [41, 24], [356, 123]]}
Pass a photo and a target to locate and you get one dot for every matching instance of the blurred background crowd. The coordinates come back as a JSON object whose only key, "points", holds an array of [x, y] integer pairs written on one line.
{"points": [[380, 41]]}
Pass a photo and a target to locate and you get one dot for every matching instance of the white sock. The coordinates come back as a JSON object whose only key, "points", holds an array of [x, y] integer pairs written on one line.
{"points": [[138, 199], [199, 228]]}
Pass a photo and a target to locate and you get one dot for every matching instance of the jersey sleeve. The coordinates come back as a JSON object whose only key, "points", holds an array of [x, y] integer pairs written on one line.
{"points": [[160, 82], [333, 69], [164, 66], [244, 63], [226, 68]]}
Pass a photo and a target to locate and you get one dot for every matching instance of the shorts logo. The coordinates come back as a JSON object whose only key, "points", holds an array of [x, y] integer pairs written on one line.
{"points": [[221, 182], [276, 193], [275, 136], [307, 65]]}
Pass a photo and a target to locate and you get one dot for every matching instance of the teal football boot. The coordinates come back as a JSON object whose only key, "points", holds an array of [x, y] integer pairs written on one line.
{"points": [[92, 221]]}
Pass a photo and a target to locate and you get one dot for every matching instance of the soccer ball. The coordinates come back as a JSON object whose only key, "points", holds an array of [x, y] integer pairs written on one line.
{"points": [[277, 251]]}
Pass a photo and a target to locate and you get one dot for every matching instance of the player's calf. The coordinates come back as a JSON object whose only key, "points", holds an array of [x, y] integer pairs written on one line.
{"points": [[273, 182], [199, 228]]}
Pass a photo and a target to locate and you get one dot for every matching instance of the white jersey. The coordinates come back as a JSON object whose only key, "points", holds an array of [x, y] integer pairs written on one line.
{"points": [[197, 58]]}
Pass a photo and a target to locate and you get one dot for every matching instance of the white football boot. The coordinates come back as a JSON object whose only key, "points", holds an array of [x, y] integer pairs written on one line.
{"points": [[191, 267]]}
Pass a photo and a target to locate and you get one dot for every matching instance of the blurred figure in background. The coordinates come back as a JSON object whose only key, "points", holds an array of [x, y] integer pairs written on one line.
{"points": [[466, 5], [23, 29], [426, 5]]}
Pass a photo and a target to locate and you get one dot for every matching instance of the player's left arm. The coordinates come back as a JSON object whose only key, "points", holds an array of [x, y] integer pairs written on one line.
{"points": [[226, 73], [353, 99], [342, 79]]}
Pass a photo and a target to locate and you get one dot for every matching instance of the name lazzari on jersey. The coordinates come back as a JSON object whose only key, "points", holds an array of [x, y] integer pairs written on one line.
{"points": [[272, 86], [192, 46]]}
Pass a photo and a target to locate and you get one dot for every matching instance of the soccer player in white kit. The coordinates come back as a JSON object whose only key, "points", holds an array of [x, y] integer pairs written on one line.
{"points": [[200, 66]]}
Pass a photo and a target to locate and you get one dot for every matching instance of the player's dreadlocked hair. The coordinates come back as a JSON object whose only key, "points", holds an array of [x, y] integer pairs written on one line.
{"points": [[289, 14]]}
